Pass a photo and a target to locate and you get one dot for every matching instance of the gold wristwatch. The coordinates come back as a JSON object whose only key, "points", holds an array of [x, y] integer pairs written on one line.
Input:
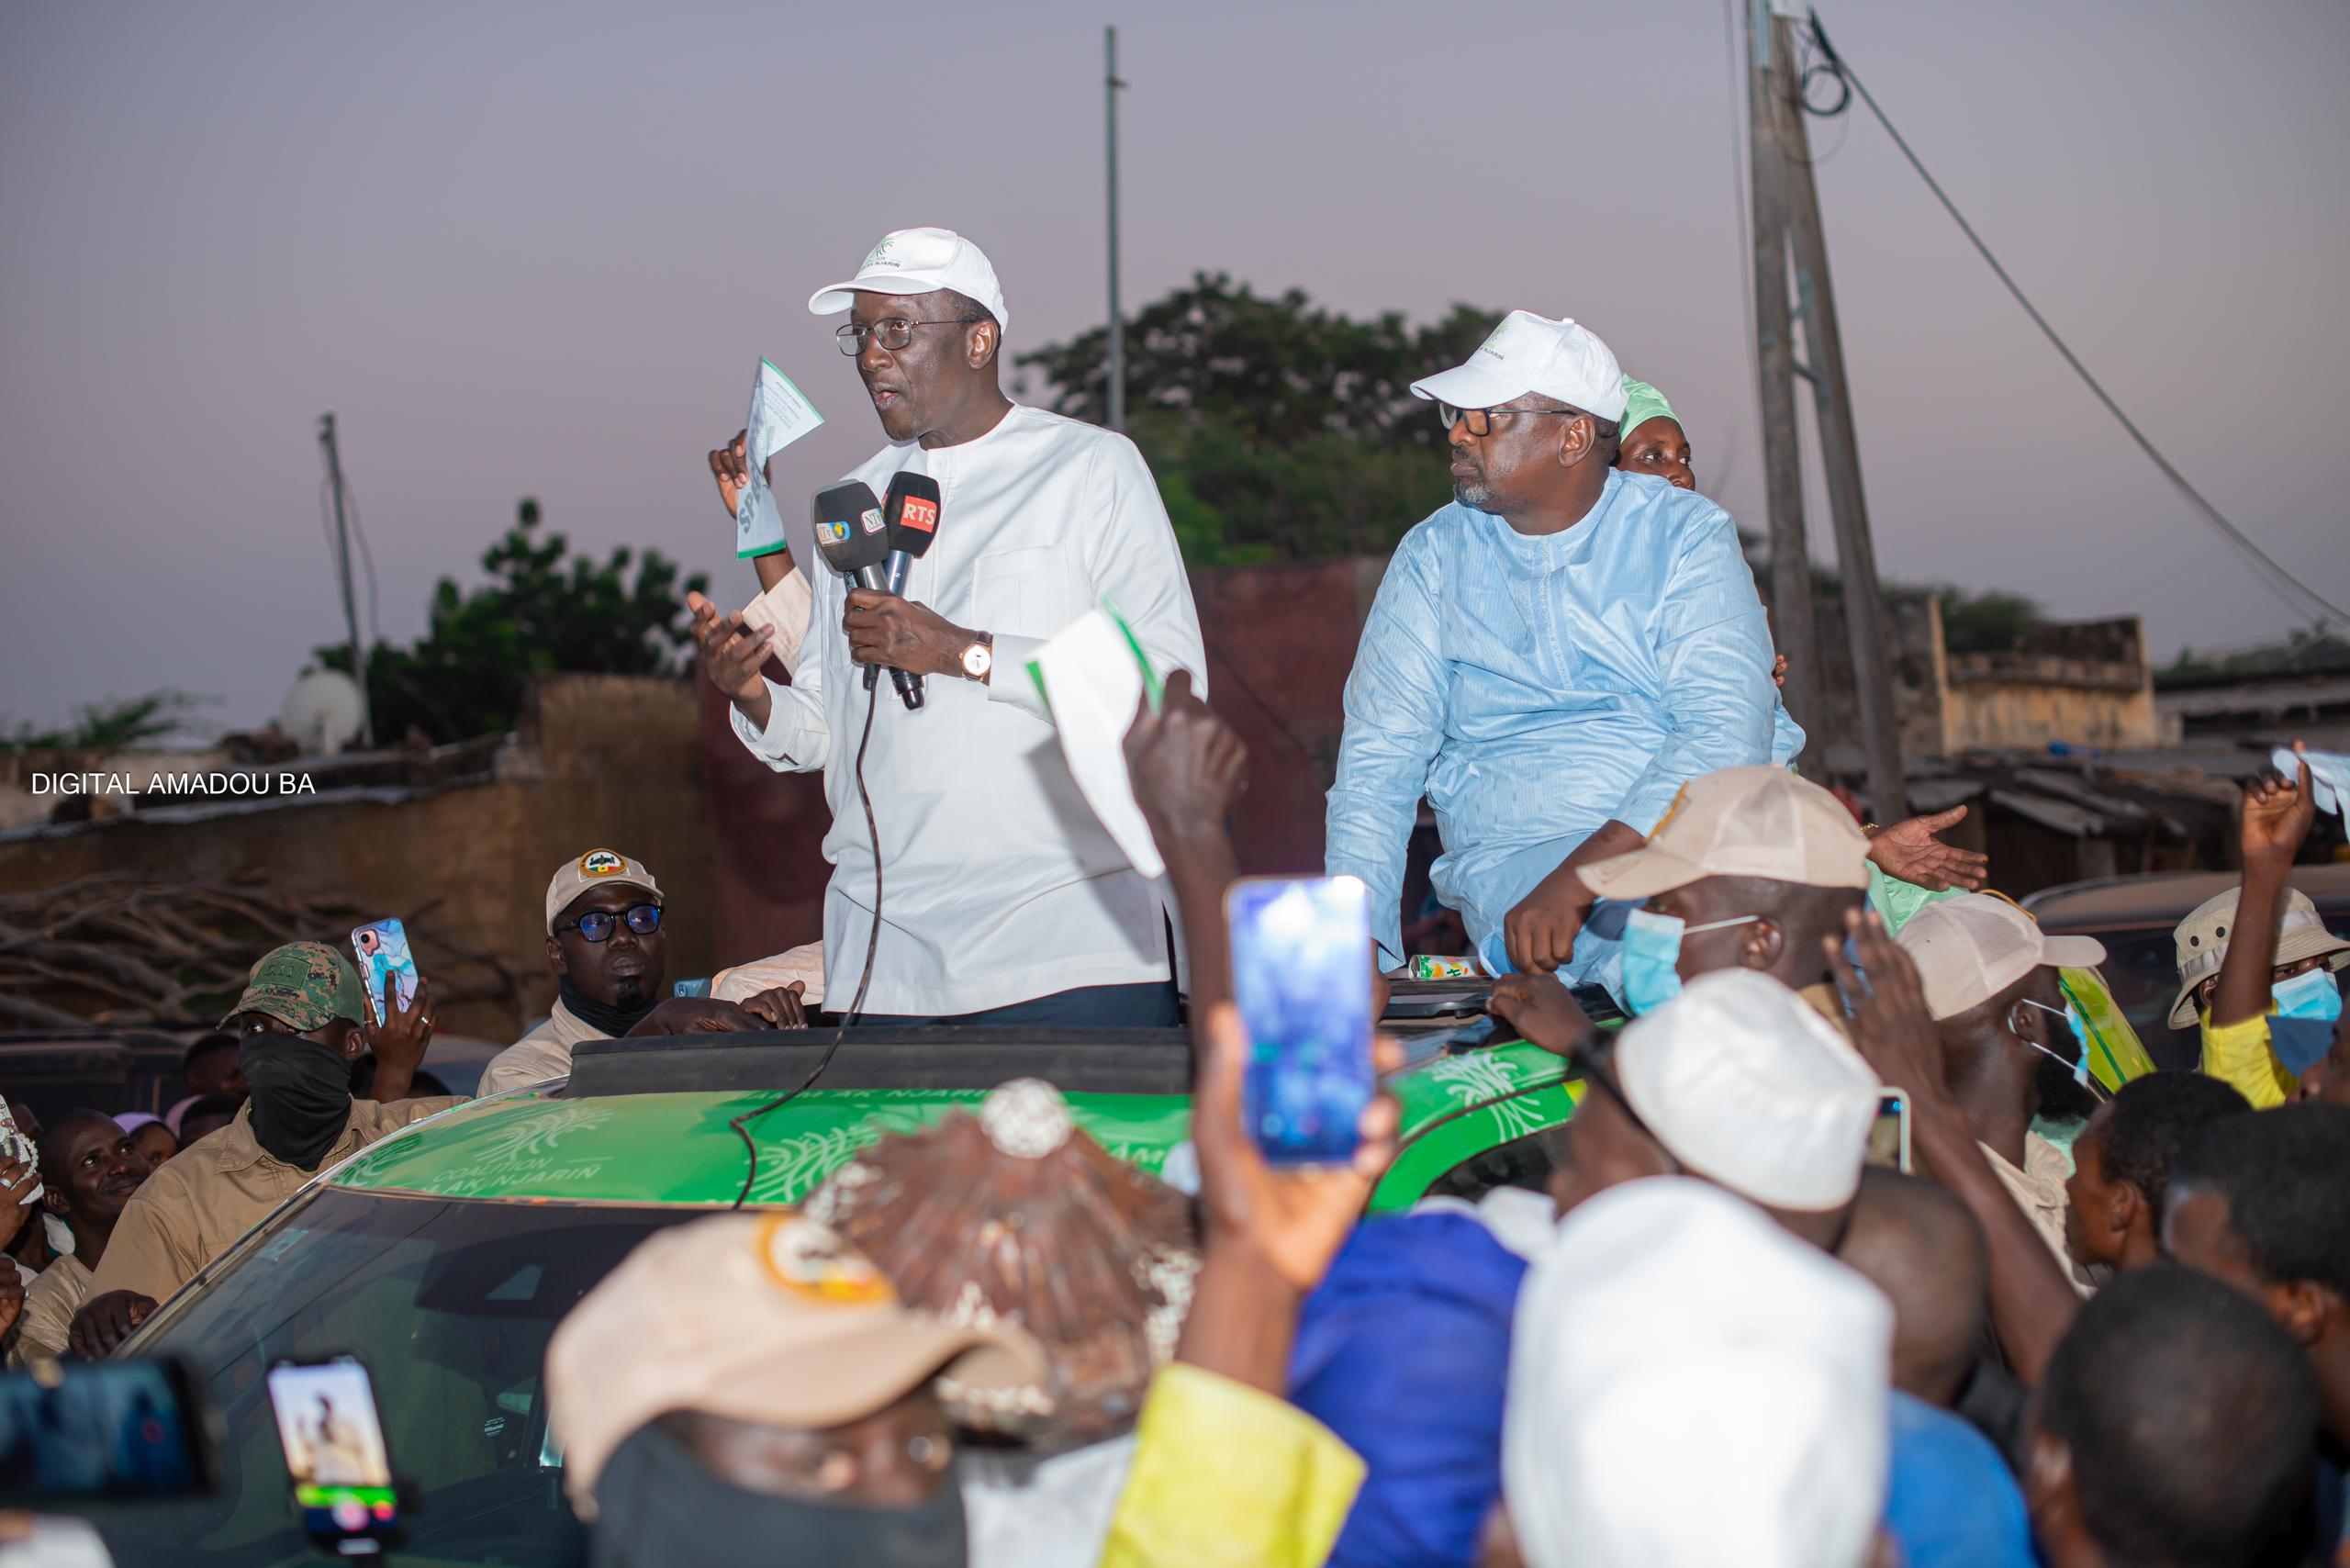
{"points": [[979, 657]]}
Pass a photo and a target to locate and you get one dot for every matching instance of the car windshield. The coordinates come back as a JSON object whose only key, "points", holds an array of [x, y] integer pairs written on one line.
{"points": [[452, 1304]]}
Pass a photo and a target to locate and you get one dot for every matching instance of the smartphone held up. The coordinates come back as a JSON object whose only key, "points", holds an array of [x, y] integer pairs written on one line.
{"points": [[385, 962], [1301, 982], [335, 1457]]}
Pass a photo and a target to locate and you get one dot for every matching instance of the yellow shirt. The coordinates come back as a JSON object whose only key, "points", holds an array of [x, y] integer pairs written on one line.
{"points": [[1227, 1476], [2239, 1054], [219, 1187], [50, 1303]]}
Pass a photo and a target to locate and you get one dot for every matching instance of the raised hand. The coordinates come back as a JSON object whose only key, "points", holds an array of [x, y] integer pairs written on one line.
{"points": [[1292, 1220], [1894, 1033], [731, 655], [17, 1180], [400, 1041], [1910, 851], [2277, 815], [1187, 766], [730, 466]]}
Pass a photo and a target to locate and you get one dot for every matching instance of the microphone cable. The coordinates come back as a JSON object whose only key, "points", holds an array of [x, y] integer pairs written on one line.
{"points": [[742, 1124]]}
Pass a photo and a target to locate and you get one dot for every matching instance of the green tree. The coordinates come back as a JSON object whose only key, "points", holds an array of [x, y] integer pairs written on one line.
{"points": [[1278, 429], [542, 609], [116, 722]]}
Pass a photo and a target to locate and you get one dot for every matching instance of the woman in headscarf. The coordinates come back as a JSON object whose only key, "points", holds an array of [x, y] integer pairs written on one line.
{"points": [[1652, 441]]}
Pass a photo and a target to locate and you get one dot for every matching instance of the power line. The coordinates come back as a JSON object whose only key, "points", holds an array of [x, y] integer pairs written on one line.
{"points": [[2290, 590]]}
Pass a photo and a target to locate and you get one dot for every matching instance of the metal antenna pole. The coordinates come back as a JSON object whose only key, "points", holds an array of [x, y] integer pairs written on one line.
{"points": [[342, 574], [1117, 398]]}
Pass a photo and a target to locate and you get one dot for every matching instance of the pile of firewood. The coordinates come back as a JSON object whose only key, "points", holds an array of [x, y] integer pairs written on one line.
{"points": [[165, 952]]}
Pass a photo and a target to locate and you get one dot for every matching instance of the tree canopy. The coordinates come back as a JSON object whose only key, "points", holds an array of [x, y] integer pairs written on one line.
{"points": [[542, 609], [1278, 430]]}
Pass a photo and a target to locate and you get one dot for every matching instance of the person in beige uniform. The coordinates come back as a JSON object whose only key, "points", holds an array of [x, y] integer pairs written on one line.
{"points": [[299, 1025], [88, 1171], [1749, 870], [608, 950], [1989, 975]]}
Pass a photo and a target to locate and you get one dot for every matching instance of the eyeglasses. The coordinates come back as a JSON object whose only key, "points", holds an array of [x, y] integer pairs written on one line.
{"points": [[895, 332], [1481, 420], [596, 926]]}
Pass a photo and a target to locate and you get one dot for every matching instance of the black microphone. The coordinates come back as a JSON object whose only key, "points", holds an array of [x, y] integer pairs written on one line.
{"points": [[910, 513], [852, 537]]}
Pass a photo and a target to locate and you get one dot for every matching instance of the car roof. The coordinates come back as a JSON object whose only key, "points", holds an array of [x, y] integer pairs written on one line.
{"points": [[679, 1145], [2168, 898]]}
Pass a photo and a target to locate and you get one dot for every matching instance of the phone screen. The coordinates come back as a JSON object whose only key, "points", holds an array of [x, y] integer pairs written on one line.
{"points": [[1301, 977], [88, 1431], [1889, 1135], [334, 1453], [383, 956]]}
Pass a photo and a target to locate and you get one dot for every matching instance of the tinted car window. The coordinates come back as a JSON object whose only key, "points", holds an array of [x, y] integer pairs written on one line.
{"points": [[452, 1304]]}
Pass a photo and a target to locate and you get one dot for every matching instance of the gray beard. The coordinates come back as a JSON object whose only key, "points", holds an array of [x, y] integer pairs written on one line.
{"points": [[1477, 494]]}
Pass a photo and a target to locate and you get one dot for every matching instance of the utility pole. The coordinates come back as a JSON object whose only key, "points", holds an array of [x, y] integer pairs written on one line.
{"points": [[1865, 622], [343, 573], [1117, 398], [1792, 619], [1785, 173]]}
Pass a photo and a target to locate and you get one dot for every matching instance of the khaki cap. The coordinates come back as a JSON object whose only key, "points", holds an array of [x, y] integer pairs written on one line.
{"points": [[2202, 940], [597, 869], [1970, 948], [1741, 822], [770, 1318]]}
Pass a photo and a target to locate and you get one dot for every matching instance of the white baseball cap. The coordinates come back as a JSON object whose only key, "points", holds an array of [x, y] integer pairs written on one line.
{"points": [[1673, 1331], [1970, 948], [915, 261], [1746, 1085], [1533, 354]]}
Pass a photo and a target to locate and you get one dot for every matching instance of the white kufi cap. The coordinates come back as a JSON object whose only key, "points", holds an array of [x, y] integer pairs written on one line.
{"points": [[1746, 1085], [1675, 1331]]}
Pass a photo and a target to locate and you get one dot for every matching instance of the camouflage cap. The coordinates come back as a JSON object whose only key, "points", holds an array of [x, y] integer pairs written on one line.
{"points": [[306, 985]]}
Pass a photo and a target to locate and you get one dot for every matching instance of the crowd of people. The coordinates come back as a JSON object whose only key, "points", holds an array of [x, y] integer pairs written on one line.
{"points": [[2063, 1319]]}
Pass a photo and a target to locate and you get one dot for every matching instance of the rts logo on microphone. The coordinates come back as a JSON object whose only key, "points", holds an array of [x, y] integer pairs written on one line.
{"points": [[920, 514]]}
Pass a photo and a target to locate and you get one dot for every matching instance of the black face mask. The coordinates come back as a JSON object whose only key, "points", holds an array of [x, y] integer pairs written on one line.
{"points": [[657, 1508], [612, 1021], [301, 1096]]}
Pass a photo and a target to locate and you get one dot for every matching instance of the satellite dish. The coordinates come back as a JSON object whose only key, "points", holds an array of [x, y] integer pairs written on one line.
{"points": [[323, 712]]}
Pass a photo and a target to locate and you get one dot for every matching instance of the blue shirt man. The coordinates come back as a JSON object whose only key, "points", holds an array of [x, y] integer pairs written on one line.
{"points": [[1549, 658]]}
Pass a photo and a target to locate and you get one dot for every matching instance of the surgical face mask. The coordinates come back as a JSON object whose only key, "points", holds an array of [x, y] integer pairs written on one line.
{"points": [[1652, 955], [2302, 1029], [2080, 1068], [658, 1507]]}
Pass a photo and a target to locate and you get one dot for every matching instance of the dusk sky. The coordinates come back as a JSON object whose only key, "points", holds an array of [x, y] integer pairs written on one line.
{"points": [[537, 249]]}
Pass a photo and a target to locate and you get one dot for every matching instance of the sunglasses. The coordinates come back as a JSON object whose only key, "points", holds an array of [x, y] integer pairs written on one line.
{"points": [[597, 925]]}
